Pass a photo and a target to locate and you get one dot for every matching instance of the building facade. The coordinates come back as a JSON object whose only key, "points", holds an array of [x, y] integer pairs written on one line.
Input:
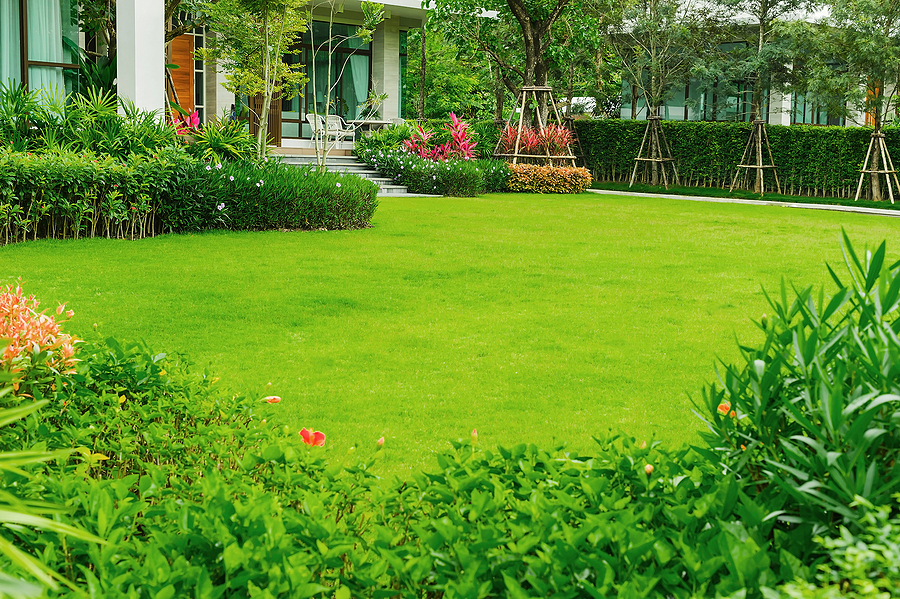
{"points": [[37, 38]]}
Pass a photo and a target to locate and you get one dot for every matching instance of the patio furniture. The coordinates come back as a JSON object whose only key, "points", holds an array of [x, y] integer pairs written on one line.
{"points": [[338, 129]]}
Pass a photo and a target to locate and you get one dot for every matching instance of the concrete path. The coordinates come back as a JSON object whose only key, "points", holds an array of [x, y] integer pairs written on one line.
{"points": [[670, 196]]}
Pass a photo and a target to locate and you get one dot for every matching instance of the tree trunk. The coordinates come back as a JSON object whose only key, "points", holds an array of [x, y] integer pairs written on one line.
{"points": [[875, 164], [422, 79]]}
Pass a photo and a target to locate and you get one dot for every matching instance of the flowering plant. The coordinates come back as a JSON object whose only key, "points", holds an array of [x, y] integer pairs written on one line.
{"points": [[33, 347]]}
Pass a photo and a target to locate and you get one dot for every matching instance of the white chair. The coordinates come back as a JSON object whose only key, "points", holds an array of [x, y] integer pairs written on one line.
{"points": [[398, 121], [317, 122], [339, 130]]}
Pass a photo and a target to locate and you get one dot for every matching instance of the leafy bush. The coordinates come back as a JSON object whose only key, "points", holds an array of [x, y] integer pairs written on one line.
{"points": [[811, 160], [276, 196], [484, 133], [861, 566], [388, 138], [222, 141], [452, 178], [67, 195], [91, 123], [548, 179], [810, 418]]}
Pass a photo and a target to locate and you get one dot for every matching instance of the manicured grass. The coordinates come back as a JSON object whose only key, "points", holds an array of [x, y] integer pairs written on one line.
{"points": [[716, 192], [530, 318]]}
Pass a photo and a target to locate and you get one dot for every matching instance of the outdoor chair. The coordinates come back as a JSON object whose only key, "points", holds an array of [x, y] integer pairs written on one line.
{"points": [[338, 129], [317, 122]]}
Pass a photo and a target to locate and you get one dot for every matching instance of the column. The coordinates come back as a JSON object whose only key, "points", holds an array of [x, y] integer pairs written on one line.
{"points": [[386, 65], [140, 26]]}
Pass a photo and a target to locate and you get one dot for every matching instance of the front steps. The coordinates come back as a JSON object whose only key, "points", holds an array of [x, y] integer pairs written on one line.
{"points": [[350, 165]]}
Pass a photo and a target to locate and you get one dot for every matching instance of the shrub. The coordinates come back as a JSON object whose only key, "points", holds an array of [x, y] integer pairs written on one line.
{"points": [[68, 195], [548, 179], [222, 141], [452, 178], [388, 138], [811, 160], [810, 418], [276, 196]]}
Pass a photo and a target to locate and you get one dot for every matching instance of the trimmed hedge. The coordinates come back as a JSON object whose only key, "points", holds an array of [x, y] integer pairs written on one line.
{"points": [[812, 161], [548, 179], [68, 195]]}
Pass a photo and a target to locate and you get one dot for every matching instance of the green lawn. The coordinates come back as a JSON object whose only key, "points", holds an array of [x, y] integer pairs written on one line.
{"points": [[532, 318]]}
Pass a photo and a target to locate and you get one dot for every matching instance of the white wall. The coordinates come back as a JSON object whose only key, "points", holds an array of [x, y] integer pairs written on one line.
{"points": [[386, 65], [140, 26]]}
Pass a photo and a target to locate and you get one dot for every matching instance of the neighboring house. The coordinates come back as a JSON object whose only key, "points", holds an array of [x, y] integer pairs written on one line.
{"points": [[32, 51]]}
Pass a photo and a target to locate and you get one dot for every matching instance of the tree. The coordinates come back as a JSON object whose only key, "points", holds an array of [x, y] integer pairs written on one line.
{"points": [[454, 80], [373, 14], [252, 37], [522, 37], [852, 65]]}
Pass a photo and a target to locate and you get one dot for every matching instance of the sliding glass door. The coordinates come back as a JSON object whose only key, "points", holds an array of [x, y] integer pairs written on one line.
{"points": [[10, 42]]}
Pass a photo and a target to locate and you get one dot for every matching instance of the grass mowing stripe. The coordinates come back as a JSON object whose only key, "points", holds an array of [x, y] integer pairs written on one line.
{"points": [[532, 318]]}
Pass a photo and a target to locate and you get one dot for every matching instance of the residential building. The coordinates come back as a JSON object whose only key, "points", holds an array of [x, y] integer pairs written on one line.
{"points": [[34, 51]]}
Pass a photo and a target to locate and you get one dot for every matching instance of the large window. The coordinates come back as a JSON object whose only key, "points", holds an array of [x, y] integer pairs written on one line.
{"points": [[10, 42], [804, 112], [350, 74]]}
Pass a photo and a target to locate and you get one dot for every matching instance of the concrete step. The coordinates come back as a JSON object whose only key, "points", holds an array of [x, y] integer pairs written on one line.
{"points": [[349, 165]]}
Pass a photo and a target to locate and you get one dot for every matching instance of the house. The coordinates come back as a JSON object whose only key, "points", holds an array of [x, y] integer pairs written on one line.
{"points": [[33, 51]]}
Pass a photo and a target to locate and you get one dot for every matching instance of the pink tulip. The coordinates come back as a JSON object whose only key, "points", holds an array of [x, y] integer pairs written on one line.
{"points": [[316, 439]]}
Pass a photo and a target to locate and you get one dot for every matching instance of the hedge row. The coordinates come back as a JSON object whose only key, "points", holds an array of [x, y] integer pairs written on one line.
{"points": [[69, 195], [811, 161]]}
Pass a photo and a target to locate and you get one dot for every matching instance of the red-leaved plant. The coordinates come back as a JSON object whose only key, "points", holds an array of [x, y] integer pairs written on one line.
{"points": [[556, 139], [460, 144]]}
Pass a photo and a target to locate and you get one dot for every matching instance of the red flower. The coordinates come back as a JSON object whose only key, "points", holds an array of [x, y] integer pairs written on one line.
{"points": [[316, 439]]}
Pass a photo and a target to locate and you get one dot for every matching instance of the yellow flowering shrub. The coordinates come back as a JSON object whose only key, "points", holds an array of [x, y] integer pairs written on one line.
{"points": [[548, 179]]}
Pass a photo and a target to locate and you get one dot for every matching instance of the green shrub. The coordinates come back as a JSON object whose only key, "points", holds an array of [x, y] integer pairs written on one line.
{"points": [[450, 177], [388, 138], [91, 123], [810, 419], [222, 141], [811, 160], [68, 195], [272, 195], [548, 179], [861, 566]]}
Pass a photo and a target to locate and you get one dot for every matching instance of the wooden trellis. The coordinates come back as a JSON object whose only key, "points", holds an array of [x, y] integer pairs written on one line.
{"points": [[534, 92], [657, 158], [758, 136], [870, 166]]}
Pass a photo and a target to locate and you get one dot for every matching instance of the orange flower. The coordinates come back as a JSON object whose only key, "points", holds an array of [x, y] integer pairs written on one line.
{"points": [[316, 439], [744, 447], [733, 414], [648, 469], [380, 442], [272, 399], [724, 407]]}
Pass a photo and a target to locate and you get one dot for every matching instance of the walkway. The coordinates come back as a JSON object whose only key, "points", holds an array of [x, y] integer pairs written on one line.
{"points": [[670, 196]]}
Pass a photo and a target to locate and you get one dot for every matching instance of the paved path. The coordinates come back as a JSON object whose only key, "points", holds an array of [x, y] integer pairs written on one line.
{"points": [[670, 196]]}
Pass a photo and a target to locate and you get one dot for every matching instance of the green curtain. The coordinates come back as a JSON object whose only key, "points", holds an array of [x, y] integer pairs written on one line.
{"points": [[48, 22], [10, 59]]}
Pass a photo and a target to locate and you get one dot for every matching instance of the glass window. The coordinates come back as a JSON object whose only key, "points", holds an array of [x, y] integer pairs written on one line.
{"points": [[52, 33], [10, 42]]}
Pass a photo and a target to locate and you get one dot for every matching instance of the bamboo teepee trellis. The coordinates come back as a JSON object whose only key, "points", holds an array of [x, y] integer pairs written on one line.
{"points": [[535, 93], [870, 165], [654, 142], [758, 137]]}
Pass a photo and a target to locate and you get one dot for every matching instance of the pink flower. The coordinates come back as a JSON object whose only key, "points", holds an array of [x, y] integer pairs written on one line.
{"points": [[272, 399], [316, 439], [474, 435], [380, 442]]}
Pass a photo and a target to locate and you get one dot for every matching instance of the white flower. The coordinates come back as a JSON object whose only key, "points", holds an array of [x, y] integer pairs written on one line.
{"points": [[338, 184], [231, 177], [219, 166], [209, 168]]}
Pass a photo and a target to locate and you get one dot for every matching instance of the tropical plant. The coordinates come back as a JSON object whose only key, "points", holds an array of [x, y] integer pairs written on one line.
{"points": [[222, 140], [809, 419]]}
